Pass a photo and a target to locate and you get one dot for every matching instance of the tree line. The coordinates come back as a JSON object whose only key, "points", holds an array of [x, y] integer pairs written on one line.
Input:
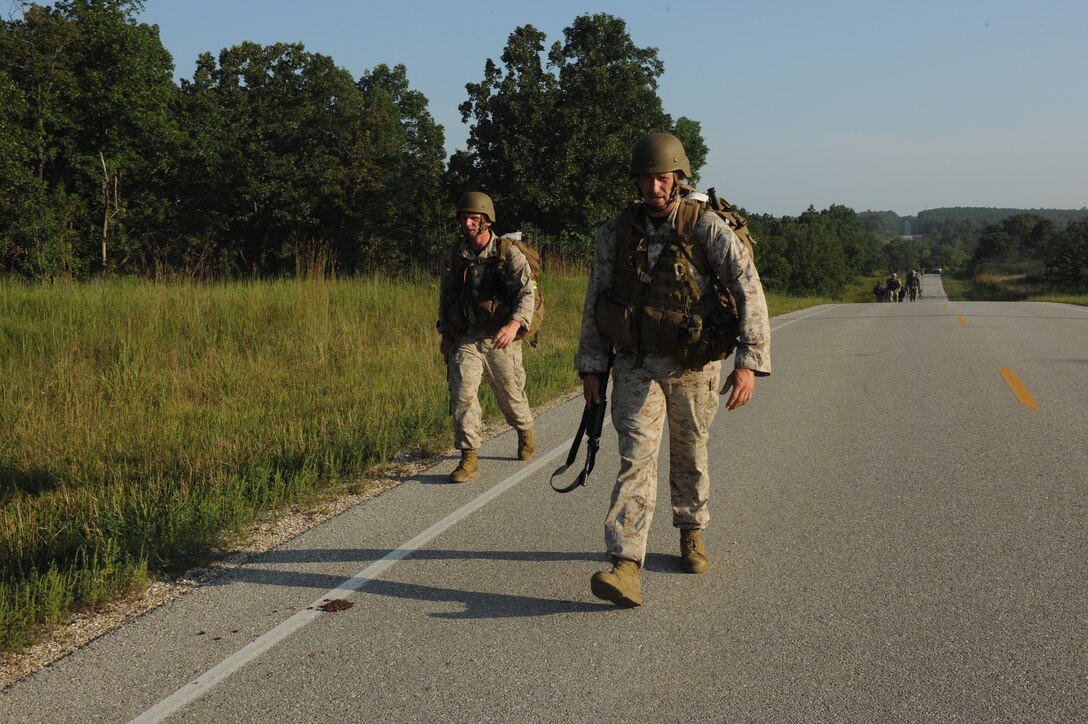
{"points": [[1036, 246], [268, 154], [271, 158], [1046, 244]]}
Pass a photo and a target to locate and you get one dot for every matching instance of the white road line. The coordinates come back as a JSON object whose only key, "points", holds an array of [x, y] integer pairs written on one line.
{"points": [[205, 682], [1064, 305], [788, 322], [202, 684]]}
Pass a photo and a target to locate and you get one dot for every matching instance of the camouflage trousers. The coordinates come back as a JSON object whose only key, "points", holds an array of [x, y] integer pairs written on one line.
{"points": [[471, 360], [643, 398]]}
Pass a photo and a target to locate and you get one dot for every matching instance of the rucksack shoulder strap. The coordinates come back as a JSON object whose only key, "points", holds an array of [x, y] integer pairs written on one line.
{"points": [[504, 250], [628, 228], [687, 218]]}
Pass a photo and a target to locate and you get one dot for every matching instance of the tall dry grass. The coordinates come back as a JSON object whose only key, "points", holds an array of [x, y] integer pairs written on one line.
{"points": [[140, 422]]}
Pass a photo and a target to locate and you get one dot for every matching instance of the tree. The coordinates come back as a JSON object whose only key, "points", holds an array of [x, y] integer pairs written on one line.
{"points": [[1018, 238], [18, 183], [819, 252], [1069, 257], [290, 161], [690, 134], [901, 254], [97, 86], [289, 155], [548, 142], [775, 269], [414, 212], [39, 213], [861, 248], [607, 100], [514, 137], [885, 224]]}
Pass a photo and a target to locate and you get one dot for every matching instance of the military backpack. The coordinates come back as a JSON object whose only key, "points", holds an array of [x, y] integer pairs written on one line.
{"points": [[532, 255], [710, 201]]}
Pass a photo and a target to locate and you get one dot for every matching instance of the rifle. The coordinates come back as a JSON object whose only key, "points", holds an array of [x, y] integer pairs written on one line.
{"points": [[449, 390], [593, 423]]}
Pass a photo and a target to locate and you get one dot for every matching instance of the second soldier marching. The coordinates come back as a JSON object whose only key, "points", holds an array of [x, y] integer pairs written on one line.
{"points": [[485, 307]]}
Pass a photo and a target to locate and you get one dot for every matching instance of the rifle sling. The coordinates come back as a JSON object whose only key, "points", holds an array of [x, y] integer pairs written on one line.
{"points": [[587, 417]]}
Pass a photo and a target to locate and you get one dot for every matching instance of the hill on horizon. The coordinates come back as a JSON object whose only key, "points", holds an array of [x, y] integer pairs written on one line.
{"points": [[889, 223]]}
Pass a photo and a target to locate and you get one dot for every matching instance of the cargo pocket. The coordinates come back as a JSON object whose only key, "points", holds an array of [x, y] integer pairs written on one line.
{"points": [[456, 320], [615, 321], [661, 330]]}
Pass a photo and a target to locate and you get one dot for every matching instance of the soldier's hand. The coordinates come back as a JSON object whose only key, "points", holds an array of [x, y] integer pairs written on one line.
{"points": [[591, 389], [506, 335], [743, 383], [444, 347]]}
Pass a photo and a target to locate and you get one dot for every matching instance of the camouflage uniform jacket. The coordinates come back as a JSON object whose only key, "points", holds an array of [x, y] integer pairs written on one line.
{"points": [[730, 261], [517, 279]]}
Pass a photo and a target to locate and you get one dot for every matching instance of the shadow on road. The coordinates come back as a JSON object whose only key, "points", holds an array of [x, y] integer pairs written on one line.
{"points": [[482, 604], [477, 604], [363, 555]]}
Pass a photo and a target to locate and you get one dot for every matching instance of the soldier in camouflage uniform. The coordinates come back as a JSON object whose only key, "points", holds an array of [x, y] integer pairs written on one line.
{"points": [[639, 257], [485, 307]]}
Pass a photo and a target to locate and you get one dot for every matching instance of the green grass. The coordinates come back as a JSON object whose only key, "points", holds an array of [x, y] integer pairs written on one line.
{"points": [[783, 304], [963, 289], [1079, 299], [144, 422], [1005, 285]]}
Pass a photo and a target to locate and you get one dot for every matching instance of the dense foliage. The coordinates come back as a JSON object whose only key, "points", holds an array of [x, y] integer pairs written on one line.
{"points": [[267, 157], [1038, 248], [545, 135], [272, 160], [1044, 245], [819, 252]]}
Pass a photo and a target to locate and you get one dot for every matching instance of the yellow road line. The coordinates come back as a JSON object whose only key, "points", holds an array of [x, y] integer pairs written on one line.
{"points": [[1018, 388], [961, 320]]}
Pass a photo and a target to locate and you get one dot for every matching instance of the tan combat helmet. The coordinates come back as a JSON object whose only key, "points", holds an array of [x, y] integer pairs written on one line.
{"points": [[476, 202], [659, 153]]}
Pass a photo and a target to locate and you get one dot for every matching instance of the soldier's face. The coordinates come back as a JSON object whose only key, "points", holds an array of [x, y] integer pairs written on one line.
{"points": [[656, 190], [472, 225]]}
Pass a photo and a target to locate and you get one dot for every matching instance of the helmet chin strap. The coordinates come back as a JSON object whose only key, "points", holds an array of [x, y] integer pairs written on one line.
{"points": [[484, 226]]}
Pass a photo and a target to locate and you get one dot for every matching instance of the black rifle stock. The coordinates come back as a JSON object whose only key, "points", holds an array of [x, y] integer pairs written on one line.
{"points": [[591, 426]]}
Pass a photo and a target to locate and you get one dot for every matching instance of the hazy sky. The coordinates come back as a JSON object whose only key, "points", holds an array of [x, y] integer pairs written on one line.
{"points": [[903, 105]]}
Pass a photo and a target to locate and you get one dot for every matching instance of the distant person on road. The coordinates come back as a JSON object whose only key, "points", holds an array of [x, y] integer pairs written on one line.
{"points": [[893, 285], [880, 292], [653, 295], [485, 307], [914, 284]]}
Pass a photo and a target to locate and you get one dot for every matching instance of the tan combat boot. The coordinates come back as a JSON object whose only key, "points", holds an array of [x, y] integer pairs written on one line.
{"points": [[466, 469], [692, 553], [620, 585], [526, 446]]}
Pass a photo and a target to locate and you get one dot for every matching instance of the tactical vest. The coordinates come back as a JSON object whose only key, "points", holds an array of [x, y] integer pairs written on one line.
{"points": [[660, 309], [483, 300]]}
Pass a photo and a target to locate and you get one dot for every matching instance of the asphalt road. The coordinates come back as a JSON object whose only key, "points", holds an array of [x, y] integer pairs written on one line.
{"points": [[899, 533]]}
